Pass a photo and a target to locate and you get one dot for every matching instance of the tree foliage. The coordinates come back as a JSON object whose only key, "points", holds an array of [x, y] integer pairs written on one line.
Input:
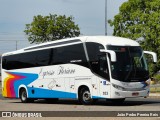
{"points": [[140, 20], [50, 28]]}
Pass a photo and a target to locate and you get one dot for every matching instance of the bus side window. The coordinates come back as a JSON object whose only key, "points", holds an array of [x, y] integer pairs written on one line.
{"points": [[4, 63], [69, 54], [97, 60], [42, 57], [103, 67]]}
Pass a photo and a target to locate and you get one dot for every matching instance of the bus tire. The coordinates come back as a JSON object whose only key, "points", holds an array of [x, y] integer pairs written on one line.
{"points": [[23, 96], [85, 96]]}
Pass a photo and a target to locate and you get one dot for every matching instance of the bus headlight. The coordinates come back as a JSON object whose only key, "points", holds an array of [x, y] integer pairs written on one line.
{"points": [[118, 87]]}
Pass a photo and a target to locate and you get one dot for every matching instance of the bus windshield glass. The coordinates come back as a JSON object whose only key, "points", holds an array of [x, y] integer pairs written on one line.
{"points": [[130, 65]]}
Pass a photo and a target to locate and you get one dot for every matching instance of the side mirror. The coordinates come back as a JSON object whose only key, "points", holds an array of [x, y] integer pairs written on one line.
{"points": [[154, 55], [111, 52]]}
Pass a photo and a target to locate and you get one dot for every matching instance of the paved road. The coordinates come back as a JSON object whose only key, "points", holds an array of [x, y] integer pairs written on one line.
{"points": [[138, 104]]}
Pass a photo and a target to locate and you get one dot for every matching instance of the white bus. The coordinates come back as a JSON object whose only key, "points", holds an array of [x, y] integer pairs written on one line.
{"points": [[84, 68]]}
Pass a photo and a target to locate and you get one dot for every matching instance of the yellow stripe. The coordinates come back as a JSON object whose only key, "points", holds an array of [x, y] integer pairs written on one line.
{"points": [[4, 90]]}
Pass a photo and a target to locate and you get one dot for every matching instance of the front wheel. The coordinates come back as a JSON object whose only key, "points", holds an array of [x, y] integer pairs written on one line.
{"points": [[23, 97], [85, 97]]}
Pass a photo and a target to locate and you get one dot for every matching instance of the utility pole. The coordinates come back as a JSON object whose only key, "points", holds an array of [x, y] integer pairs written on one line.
{"points": [[106, 17], [16, 44]]}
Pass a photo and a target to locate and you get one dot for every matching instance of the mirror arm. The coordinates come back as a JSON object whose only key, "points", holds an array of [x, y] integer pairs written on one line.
{"points": [[111, 52], [154, 55]]}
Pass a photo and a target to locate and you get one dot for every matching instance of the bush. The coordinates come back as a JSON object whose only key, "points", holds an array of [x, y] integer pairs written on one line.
{"points": [[157, 78]]}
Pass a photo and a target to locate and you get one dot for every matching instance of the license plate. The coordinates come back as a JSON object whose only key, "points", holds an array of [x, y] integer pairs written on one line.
{"points": [[135, 94]]}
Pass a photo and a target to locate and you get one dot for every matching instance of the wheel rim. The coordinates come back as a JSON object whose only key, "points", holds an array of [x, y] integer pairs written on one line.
{"points": [[86, 96], [24, 96]]}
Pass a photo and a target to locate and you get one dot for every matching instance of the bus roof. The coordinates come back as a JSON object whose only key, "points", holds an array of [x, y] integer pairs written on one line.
{"points": [[112, 40], [105, 40]]}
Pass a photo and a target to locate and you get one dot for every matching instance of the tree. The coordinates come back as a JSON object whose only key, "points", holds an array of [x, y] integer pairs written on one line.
{"points": [[50, 28], [140, 20]]}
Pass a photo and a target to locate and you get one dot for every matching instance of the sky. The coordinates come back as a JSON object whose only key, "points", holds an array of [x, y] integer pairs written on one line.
{"points": [[88, 14]]}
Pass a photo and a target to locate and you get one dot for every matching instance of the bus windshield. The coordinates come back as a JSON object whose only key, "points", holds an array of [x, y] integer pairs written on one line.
{"points": [[130, 65]]}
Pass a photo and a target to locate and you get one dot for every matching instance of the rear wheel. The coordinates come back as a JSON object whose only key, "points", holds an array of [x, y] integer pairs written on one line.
{"points": [[24, 98], [85, 97]]}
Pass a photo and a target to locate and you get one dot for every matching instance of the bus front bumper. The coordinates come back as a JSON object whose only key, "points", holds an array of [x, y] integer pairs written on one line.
{"points": [[129, 94]]}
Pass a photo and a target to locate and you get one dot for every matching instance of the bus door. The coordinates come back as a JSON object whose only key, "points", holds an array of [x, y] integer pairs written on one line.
{"points": [[104, 82], [95, 86]]}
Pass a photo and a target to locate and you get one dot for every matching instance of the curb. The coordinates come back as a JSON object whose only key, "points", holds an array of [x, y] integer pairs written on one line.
{"points": [[154, 95]]}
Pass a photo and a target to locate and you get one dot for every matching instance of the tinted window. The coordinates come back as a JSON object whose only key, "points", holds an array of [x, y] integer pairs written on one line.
{"points": [[97, 59], [42, 57], [70, 54], [130, 66], [27, 60]]}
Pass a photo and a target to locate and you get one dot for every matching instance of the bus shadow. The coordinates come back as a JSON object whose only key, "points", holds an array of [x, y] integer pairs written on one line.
{"points": [[99, 102], [131, 103], [126, 103]]}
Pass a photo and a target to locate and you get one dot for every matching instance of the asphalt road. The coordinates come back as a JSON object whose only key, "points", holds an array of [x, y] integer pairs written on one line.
{"points": [[130, 105], [136, 104]]}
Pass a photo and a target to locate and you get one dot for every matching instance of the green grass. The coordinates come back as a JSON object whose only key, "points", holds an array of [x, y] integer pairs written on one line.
{"points": [[155, 89]]}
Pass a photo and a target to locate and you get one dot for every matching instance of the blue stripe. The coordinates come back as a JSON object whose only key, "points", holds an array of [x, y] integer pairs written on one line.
{"points": [[97, 97], [38, 92], [45, 93]]}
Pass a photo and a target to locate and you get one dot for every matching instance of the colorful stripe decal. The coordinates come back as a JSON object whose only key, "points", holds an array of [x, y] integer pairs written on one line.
{"points": [[14, 80]]}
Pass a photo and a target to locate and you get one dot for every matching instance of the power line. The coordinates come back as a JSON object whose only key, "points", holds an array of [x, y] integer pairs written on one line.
{"points": [[4, 33], [14, 40]]}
